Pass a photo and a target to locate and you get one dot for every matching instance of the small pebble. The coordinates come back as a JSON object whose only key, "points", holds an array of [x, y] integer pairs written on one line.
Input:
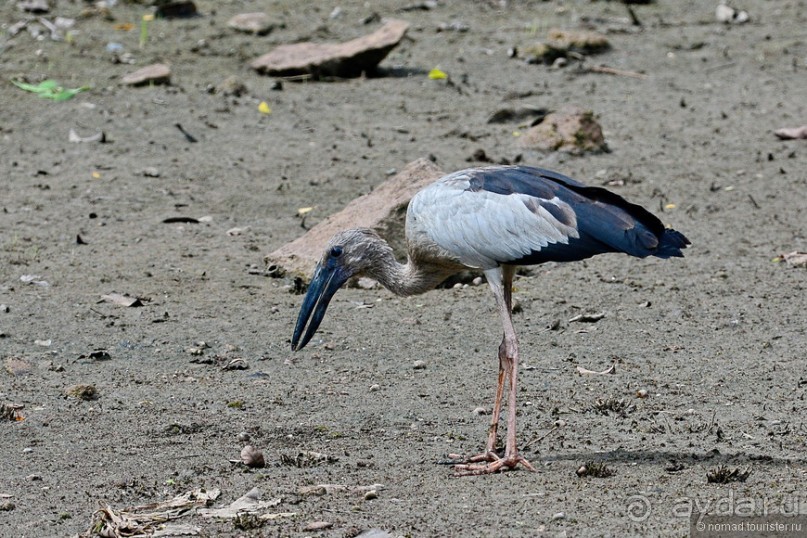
{"points": [[480, 411], [252, 457], [642, 393], [419, 365], [560, 423], [370, 495], [375, 387], [477, 281], [27, 450], [559, 515], [244, 437], [4, 308]]}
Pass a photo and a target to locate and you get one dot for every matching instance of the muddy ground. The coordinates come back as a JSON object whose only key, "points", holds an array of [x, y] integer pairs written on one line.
{"points": [[717, 340]]}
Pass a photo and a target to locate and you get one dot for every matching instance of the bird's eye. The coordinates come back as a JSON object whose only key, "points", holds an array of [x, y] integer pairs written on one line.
{"points": [[336, 251]]}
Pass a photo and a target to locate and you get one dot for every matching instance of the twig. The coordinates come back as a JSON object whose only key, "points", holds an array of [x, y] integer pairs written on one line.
{"points": [[618, 72], [538, 438]]}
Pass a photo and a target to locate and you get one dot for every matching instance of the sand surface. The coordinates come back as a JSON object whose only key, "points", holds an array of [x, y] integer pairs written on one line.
{"points": [[716, 340]]}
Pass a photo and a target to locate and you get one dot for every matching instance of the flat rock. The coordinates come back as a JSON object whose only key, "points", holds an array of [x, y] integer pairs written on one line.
{"points": [[570, 129], [151, 74], [384, 210], [252, 23], [345, 60]]}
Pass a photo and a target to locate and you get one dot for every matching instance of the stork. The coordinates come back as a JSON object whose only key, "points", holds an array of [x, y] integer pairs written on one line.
{"points": [[492, 219]]}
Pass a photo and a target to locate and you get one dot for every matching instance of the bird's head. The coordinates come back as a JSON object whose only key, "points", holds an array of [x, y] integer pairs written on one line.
{"points": [[349, 253]]}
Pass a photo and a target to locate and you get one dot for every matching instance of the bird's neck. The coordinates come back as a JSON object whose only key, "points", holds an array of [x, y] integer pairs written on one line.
{"points": [[410, 278]]}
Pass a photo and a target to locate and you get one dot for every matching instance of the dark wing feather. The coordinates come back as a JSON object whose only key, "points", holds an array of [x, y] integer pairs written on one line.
{"points": [[605, 221]]}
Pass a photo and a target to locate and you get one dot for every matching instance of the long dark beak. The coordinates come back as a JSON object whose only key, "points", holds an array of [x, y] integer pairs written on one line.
{"points": [[324, 284]]}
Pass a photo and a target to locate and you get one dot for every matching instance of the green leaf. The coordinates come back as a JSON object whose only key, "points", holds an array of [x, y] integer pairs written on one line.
{"points": [[50, 89]]}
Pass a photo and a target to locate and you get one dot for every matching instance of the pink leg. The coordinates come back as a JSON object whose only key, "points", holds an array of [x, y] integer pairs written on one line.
{"points": [[501, 282]]}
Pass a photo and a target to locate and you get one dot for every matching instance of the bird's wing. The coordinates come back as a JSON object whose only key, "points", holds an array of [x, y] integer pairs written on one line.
{"points": [[485, 217], [484, 228]]}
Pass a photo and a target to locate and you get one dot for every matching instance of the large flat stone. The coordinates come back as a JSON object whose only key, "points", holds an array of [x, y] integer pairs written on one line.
{"points": [[384, 210], [345, 60]]}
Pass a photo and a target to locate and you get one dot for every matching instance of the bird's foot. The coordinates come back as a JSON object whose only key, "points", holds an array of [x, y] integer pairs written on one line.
{"points": [[489, 463]]}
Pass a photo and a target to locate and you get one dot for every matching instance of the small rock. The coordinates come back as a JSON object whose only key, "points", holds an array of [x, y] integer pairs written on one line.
{"points": [[232, 86], [252, 23], [558, 515], [480, 411], [375, 387], [370, 495], [151, 74], [244, 437], [419, 365], [252, 457], [728, 14], [82, 392], [4, 308], [150, 171], [477, 281], [572, 130], [642, 393]]}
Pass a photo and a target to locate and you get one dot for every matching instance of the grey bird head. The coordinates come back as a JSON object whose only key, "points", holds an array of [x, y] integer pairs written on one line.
{"points": [[349, 253]]}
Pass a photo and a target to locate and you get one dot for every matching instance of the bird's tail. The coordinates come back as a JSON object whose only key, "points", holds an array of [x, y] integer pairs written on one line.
{"points": [[670, 244]]}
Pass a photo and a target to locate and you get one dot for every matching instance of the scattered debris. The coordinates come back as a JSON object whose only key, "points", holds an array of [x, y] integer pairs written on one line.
{"points": [[252, 23], [11, 411], [611, 370], [74, 137], [330, 489], [250, 503], [384, 210], [534, 114], [621, 407], [349, 59], [589, 317], [307, 458], [727, 14], [36, 280], [318, 526], [595, 469], [122, 300], [189, 137], [150, 519], [724, 475], [82, 392], [572, 130], [564, 44], [793, 259], [150, 75], [97, 355], [792, 133]]}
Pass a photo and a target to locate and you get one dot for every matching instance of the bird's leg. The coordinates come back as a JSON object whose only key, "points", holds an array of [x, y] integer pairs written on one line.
{"points": [[501, 282]]}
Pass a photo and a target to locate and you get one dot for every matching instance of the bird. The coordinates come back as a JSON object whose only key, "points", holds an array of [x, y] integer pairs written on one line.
{"points": [[493, 219]]}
